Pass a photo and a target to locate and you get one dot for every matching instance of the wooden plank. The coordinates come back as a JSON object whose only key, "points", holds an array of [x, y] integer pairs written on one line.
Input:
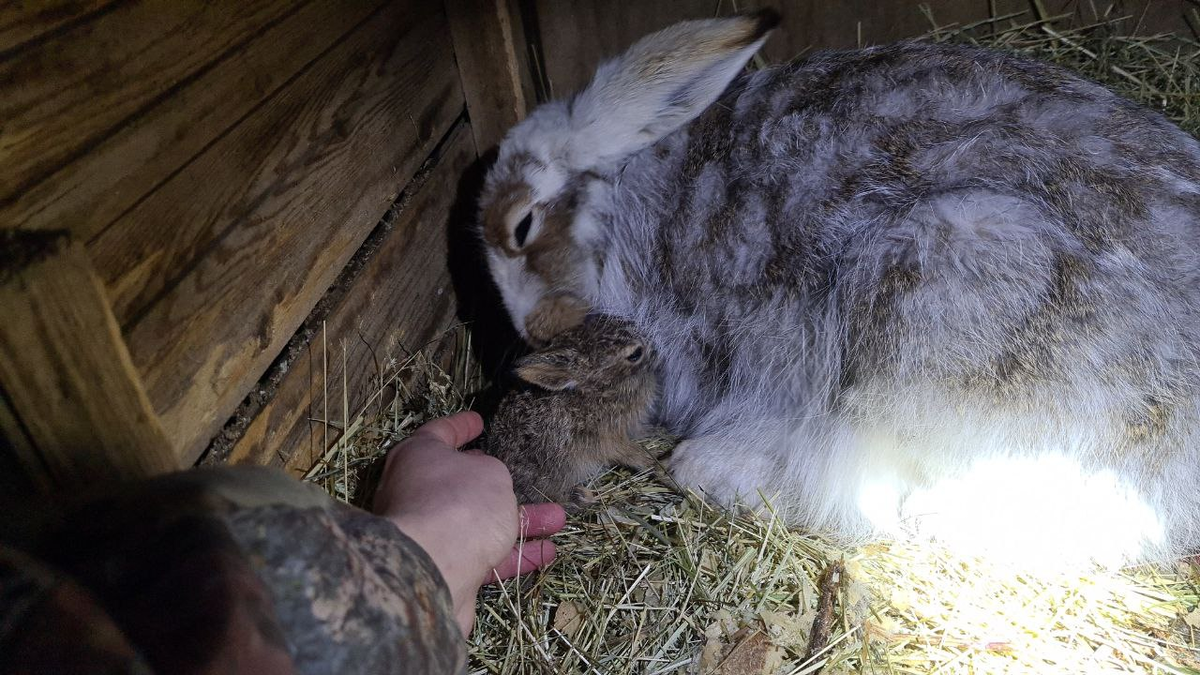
{"points": [[25, 21], [74, 411], [490, 47], [78, 86], [214, 271], [406, 277], [93, 190]]}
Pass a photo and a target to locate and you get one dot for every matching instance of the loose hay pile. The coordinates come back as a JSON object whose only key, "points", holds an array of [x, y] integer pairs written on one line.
{"points": [[649, 581]]}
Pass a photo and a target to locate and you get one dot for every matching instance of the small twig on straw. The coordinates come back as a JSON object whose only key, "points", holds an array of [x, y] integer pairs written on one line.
{"points": [[828, 585]]}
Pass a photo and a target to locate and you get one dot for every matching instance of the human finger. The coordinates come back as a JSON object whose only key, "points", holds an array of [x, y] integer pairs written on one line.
{"points": [[523, 559], [542, 520], [455, 430]]}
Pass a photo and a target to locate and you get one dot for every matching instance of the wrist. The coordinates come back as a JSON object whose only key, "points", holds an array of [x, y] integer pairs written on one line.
{"points": [[460, 579]]}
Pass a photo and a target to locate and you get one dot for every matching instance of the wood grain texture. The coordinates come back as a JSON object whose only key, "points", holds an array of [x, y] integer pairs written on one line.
{"points": [[212, 273], [97, 187], [78, 86], [400, 296], [74, 411], [577, 36], [490, 47], [25, 21]]}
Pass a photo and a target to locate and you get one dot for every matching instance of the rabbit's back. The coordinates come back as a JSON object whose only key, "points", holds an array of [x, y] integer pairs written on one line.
{"points": [[915, 194], [937, 244]]}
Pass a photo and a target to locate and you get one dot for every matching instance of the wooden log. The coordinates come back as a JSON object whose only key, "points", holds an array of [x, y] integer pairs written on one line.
{"points": [[214, 271], [490, 47], [89, 191], [74, 412], [401, 294], [79, 85]]}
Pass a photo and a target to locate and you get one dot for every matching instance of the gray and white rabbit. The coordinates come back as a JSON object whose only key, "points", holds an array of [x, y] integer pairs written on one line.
{"points": [[913, 288], [587, 396]]}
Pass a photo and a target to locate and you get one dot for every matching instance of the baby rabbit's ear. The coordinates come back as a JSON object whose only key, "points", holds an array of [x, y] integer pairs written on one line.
{"points": [[550, 374], [663, 81]]}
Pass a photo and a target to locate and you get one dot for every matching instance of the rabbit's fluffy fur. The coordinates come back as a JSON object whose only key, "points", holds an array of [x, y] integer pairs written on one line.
{"points": [[873, 274]]}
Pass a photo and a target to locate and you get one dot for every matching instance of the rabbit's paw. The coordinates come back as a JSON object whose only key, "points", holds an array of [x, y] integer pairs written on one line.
{"points": [[580, 499], [717, 468]]}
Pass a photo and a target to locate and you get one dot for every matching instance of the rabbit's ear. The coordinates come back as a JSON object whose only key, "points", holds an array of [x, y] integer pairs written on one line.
{"points": [[546, 373], [661, 83]]}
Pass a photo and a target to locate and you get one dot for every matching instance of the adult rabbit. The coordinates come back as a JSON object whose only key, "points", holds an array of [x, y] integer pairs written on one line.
{"points": [[912, 288]]}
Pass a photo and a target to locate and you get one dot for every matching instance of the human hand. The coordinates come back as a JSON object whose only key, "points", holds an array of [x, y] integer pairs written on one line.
{"points": [[460, 508]]}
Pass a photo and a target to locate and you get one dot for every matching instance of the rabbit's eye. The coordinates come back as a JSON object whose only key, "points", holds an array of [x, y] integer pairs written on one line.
{"points": [[635, 355], [522, 229]]}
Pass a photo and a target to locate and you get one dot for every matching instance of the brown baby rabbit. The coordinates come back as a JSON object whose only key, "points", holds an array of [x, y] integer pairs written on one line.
{"points": [[585, 397]]}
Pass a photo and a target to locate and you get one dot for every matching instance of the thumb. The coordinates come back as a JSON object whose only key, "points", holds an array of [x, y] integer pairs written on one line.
{"points": [[455, 431]]}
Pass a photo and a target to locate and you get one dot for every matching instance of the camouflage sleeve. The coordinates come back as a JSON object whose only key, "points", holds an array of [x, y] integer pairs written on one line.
{"points": [[352, 593], [245, 570]]}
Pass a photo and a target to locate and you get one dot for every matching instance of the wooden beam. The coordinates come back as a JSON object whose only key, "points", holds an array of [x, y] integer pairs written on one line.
{"points": [[490, 46], [73, 411]]}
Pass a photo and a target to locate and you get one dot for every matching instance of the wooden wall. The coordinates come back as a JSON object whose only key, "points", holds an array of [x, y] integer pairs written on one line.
{"points": [[221, 164], [576, 35]]}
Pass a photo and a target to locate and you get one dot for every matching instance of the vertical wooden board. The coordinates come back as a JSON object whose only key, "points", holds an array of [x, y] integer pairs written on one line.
{"points": [[215, 270], [402, 293], [490, 48], [74, 411], [23, 21], [96, 188], [73, 89]]}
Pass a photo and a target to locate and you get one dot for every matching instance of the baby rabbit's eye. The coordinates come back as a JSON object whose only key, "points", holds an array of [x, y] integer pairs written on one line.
{"points": [[522, 229], [635, 355]]}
